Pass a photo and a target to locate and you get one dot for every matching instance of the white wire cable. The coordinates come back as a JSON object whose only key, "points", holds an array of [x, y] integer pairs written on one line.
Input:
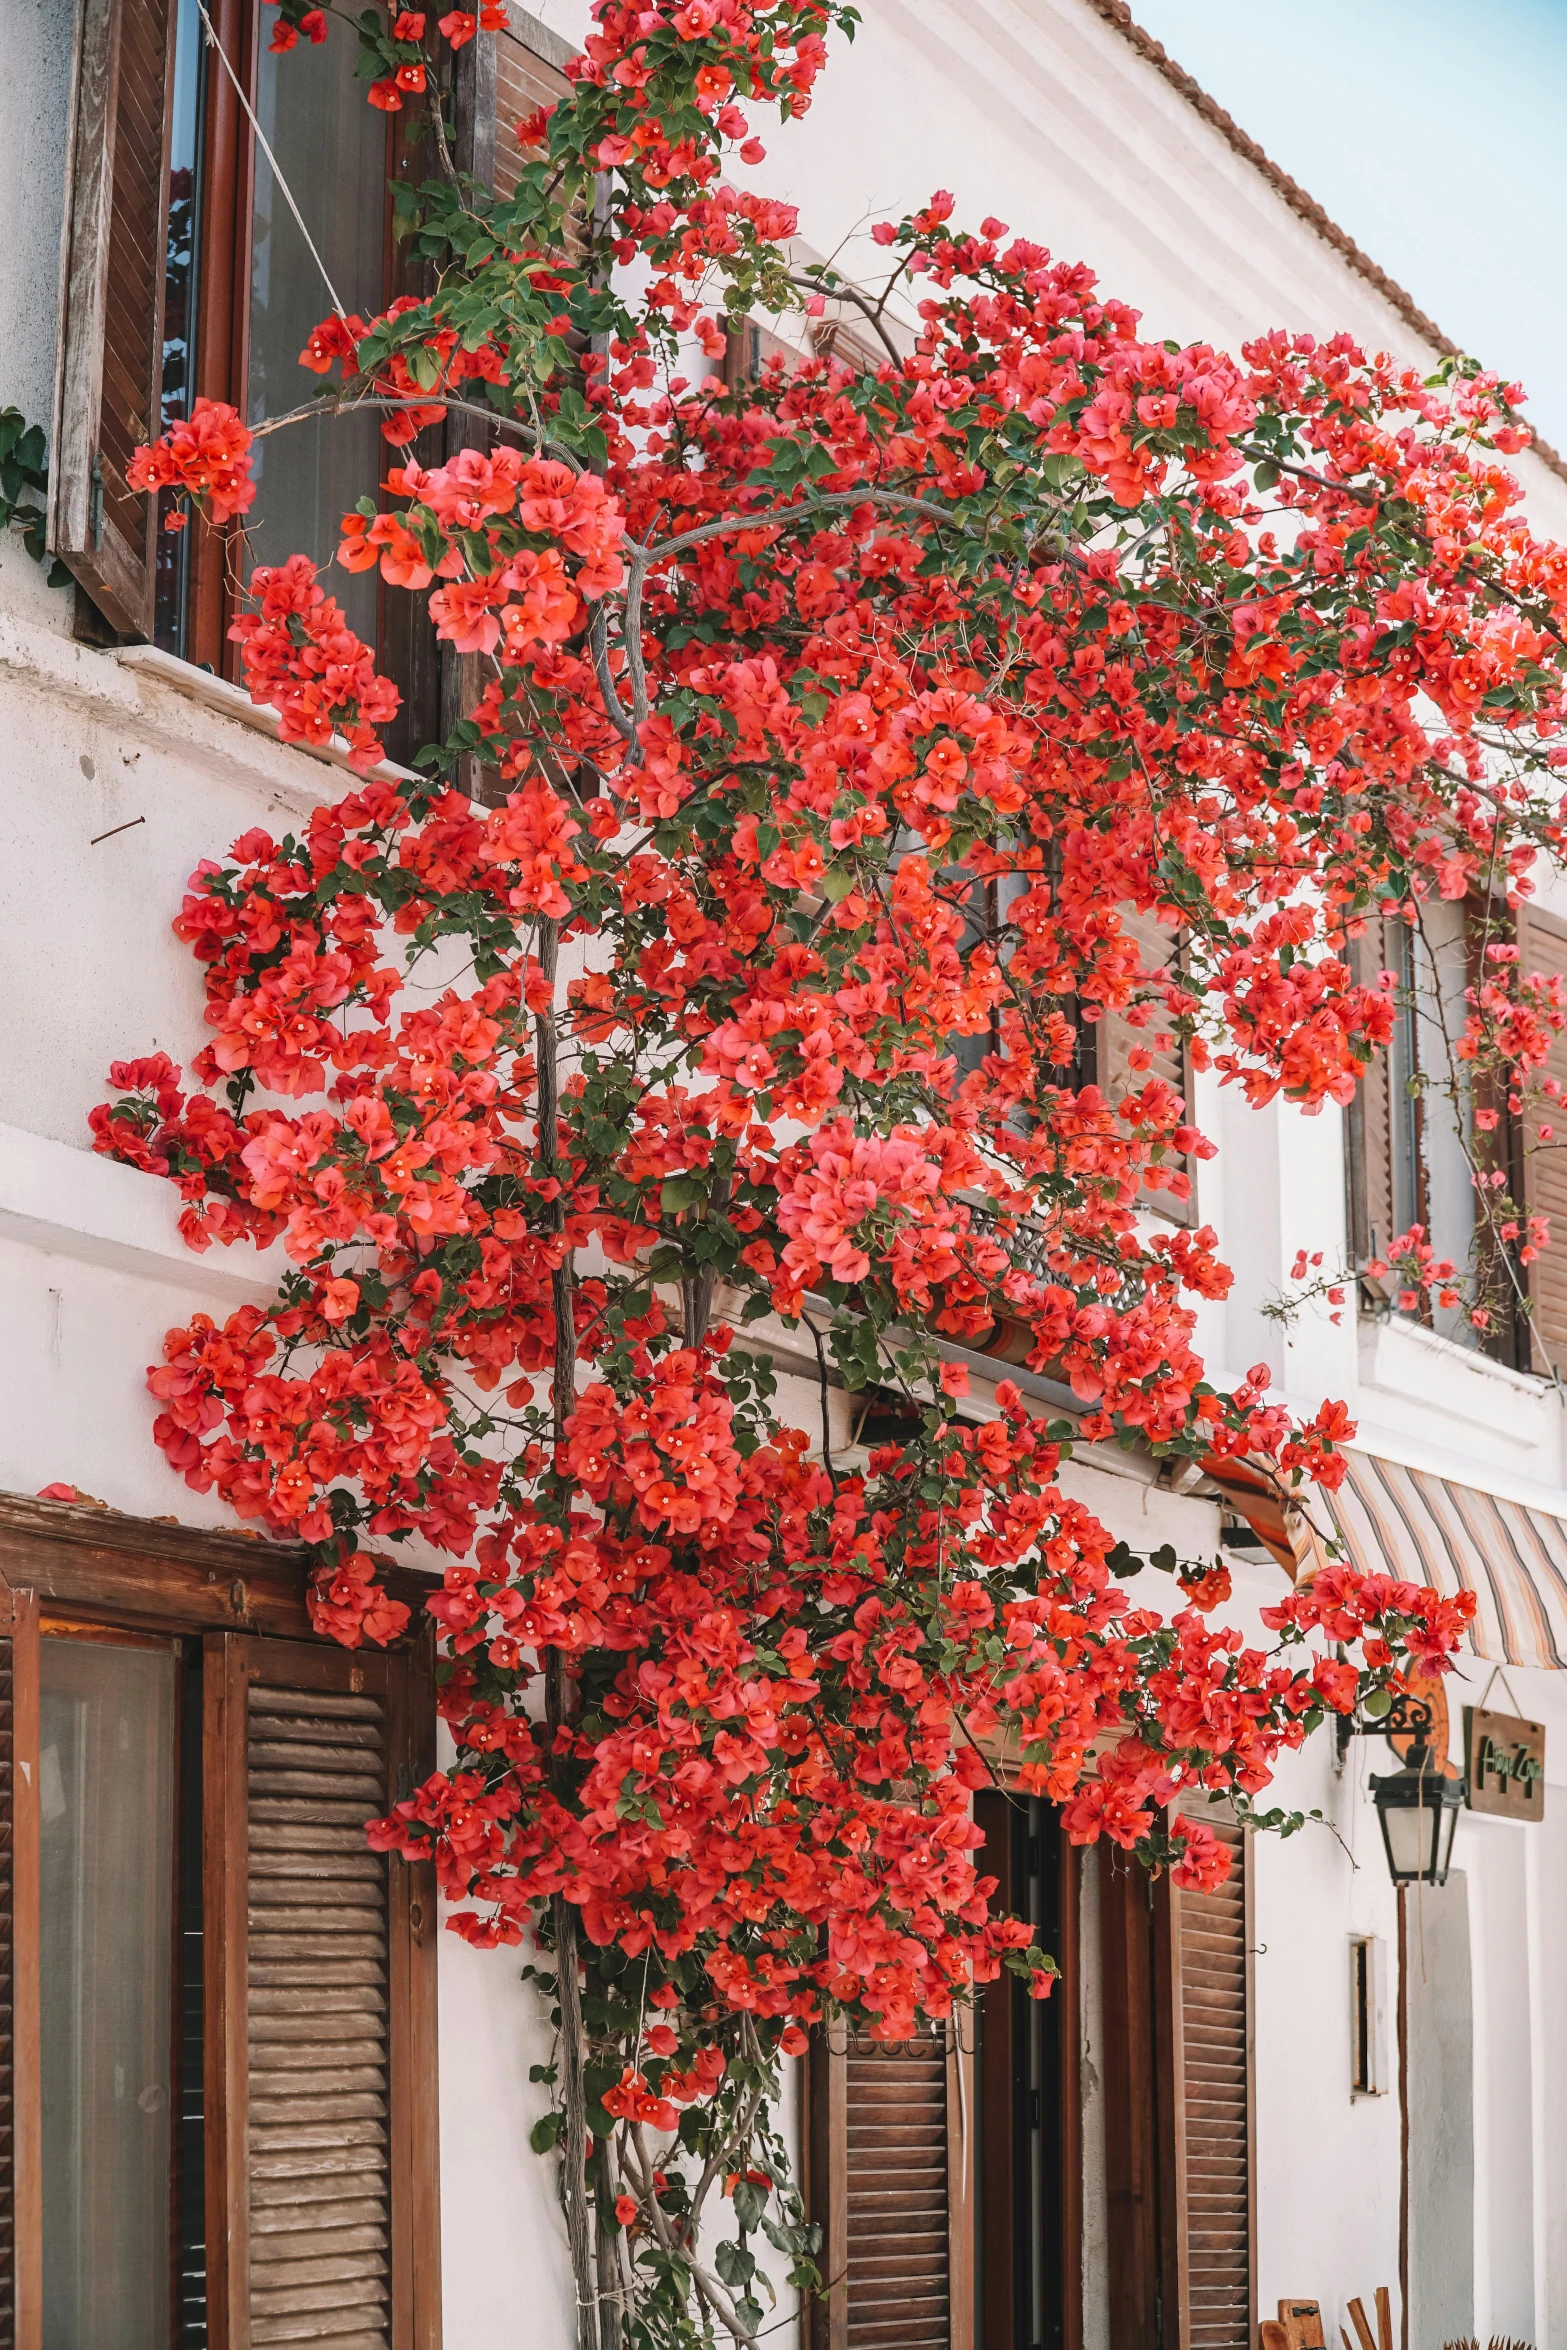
{"points": [[288, 194]]}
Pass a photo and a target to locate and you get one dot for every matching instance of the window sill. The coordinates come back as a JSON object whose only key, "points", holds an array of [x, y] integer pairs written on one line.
{"points": [[74, 1202], [232, 701], [1399, 1358]]}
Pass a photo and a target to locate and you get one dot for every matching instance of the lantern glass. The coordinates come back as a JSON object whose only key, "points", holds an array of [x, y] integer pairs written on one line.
{"points": [[1418, 1808]]}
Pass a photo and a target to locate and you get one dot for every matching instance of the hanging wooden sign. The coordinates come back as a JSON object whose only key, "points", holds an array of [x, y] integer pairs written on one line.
{"points": [[1505, 1758]]}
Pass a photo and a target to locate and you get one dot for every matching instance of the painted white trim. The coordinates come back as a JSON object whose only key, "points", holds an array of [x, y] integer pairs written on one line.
{"points": [[76, 1204], [231, 701]]}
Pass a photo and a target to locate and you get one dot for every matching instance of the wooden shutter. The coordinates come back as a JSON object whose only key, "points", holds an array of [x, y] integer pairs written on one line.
{"points": [[1543, 947], [891, 2170], [21, 2111], [1212, 1976], [848, 336], [529, 73], [1114, 1037], [320, 2047], [108, 388], [1179, 2131]]}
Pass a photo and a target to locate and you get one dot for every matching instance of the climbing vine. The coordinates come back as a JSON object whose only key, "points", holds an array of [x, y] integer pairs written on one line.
{"points": [[832, 728]]}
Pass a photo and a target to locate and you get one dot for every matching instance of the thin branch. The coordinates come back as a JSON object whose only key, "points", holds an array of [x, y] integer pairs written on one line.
{"points": [[821, 1366], [844, 293], [781, 516], [342, 405], [631, 633]]}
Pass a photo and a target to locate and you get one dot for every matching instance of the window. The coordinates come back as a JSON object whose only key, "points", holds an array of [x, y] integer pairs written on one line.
{"points": [[1542, 943], [1413, 1147], [1027, 2158], [1106, 1044], [110, 1983], [187, 275], [222, 2000], [1367, 2016], [944, 2169]]}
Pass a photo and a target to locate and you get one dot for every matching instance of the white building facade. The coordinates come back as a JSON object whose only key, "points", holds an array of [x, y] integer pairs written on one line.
{"points": [[1086, 2207]]}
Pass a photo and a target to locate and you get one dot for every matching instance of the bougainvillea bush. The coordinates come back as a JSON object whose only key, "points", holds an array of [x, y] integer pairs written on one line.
{"points": [[834, 729]]}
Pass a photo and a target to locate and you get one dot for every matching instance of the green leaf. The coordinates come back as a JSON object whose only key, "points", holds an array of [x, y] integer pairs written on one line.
{"points": [[735, 2264], [750, 2203], [546, 2131]]}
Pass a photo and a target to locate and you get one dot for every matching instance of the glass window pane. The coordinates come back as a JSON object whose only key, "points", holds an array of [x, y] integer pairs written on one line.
{"points": [[181, 280], [106, 1837], [331, 148]]}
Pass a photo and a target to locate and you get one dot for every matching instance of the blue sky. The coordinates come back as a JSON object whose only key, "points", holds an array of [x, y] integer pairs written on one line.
{"points": [[1434, 132]]}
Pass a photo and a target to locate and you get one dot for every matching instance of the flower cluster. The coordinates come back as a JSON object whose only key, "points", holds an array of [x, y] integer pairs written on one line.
{"points": [[207, 458], [298, 653], [397, 56]]}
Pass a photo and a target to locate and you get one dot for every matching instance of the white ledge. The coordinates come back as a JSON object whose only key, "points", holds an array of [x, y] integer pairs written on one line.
{"points": [[142, 693], [232, 701], [1445, 1395], [78, 1204]]}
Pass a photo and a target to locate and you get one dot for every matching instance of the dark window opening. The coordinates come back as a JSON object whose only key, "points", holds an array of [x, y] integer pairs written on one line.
{"points": [[181, 284], [1021, 2287]]}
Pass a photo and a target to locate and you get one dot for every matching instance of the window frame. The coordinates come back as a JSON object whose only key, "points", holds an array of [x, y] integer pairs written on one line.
{"points": [[1385, 1146], [1113, 1034], [244, 1600]]}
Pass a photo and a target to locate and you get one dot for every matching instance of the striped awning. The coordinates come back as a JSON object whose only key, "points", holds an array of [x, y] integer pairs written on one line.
{"points": [[1426, 1529]]}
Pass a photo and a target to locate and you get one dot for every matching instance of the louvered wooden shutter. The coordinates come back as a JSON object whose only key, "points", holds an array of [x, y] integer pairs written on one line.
{"points": [[1179, 2134], [21, 2113], [528, 74], [320, 2043], [1115, 1036], [108, 391], [848, 336], [891, 2166], [1215, 2166], [1542, 946]]}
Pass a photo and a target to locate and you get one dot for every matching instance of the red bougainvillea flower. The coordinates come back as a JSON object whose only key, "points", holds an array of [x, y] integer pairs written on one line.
{"points": [[208, 457]]}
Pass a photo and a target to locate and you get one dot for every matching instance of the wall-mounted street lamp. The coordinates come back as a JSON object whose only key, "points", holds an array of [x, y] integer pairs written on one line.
{"points": [[1418, 1805], [1418, 1808]]}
